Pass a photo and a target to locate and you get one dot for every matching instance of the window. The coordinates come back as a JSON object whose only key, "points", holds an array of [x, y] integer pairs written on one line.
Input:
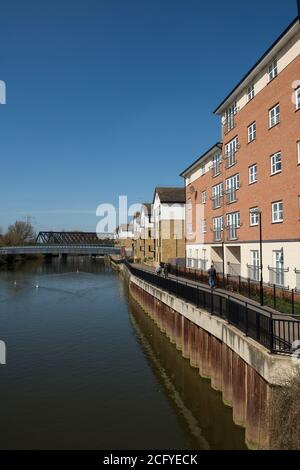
{"points": [[217, 194], [229, 117], [274, 116], [216, 164], [217, 228], [297, 93], [252, 132], [250, 92], [232, 185], [254, 265], [276, 163], [254, 216], [231, 149], [277, 212], [189, 204], [298, 151], [233, 223], [273, 70], [190, 229], [204, 226], [203, 198], [253, 174]]}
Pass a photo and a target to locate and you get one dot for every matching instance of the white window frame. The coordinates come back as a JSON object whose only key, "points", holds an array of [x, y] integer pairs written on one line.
{"points": [[203, 197], [251, 132], [276, 163], [277, 212], [253, 175], [274, 116], [250, 92], [218, 226], [297, 98], [273, 70], [253, 217], [190, 205], [204, 226], [190, 228]]}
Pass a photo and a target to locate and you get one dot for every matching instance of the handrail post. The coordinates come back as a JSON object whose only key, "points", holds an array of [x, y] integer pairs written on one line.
{"points": [[271, 334], [247, 319], [293, 302]]}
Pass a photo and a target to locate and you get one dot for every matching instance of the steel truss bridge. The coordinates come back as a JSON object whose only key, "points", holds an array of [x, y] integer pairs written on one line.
{"points": [[66, 243]]}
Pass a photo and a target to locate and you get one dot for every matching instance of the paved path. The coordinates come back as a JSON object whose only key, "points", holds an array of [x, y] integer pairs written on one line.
{"points": [[268, 311]]}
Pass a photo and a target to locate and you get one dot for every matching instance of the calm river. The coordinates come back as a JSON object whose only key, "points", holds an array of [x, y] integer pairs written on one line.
{"points": [[87, 369]]}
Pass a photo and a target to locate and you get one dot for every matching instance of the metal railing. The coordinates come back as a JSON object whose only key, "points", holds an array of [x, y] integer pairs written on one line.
{"points": [[234, 269], [274, 331], [253, 272], [216, 169], [217, 235], [230, 159], [231, 196], [232, 232], [277, 275], [217, 201], [229, 123], [297, 272]]}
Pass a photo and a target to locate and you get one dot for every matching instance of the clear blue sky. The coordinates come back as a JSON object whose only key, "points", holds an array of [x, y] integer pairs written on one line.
{"points": [[109, 97]]}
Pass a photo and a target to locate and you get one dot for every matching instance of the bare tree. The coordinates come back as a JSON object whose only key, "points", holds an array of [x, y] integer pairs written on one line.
{"points": [[19, 233]]}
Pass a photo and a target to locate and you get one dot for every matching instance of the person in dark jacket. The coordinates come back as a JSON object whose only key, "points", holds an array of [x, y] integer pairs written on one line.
{"points": [[212, 276], [166, 270]]}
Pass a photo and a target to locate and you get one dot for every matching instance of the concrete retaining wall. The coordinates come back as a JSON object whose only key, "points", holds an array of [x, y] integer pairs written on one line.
{"points": [[237, 366]]}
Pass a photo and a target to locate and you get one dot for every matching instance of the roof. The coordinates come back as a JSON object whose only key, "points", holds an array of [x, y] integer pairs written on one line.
{"points": [[124, 228], [254, 70], [217, 146], [170, 195], [148, 207]]}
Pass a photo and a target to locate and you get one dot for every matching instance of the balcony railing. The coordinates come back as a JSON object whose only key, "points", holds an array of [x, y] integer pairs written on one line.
{"points": [[232, 232], [231, 196], [253, 272], [216, 169], [229, 123], [277, 275], [217, 201], [297, 272], [217, 235], [230, 159], [234, 269]]}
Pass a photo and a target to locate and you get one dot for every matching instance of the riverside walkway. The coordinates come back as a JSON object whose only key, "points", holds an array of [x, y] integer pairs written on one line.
{"points": [[275, 331]]}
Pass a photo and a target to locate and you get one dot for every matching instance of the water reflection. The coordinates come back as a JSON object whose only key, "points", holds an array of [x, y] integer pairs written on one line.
{"points": [[87, 369]]}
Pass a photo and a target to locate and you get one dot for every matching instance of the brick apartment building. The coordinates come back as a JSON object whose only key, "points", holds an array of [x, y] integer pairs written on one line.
{"points": [[252, 180]]}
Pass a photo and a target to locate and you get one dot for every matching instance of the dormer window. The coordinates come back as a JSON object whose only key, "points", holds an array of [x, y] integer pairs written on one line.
{"points": [[273, 70], [250, 92]]}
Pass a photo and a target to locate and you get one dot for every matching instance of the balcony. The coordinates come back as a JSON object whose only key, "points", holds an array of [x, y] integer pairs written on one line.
{"points": [[229, 124], [232, 232], [230, 159], [297, 272], [217, 202], [216, 169], [217, 236], [253, 272], [277, 276], [231, 196]]}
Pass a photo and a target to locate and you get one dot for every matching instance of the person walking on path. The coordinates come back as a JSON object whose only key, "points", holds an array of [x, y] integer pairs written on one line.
{"points": [[212, 276], [166, 270]]}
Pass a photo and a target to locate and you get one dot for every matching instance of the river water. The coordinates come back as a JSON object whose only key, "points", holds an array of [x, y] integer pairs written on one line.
{"points": [[88, 369]]}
